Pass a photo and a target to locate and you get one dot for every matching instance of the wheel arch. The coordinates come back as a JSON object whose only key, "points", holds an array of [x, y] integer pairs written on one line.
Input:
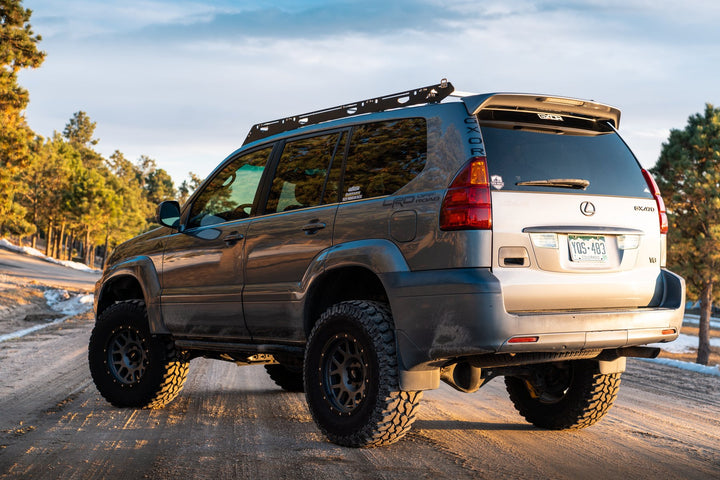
{"points": [[360, 271], [348, 282], [350, 271], [136, 279]]}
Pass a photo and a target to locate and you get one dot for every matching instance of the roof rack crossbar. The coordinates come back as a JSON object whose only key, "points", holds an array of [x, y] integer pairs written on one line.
{"points": [[418, 96]]}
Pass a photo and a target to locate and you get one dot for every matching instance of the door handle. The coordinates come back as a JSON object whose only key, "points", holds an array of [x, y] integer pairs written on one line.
{"points": [[313, 227], [232, 238]]}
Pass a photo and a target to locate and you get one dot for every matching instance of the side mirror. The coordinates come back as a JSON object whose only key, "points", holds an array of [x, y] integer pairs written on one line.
{"points": [[168, 214]]}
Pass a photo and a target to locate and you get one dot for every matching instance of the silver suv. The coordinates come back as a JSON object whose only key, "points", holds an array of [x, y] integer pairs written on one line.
{"points": [[366, 252]]}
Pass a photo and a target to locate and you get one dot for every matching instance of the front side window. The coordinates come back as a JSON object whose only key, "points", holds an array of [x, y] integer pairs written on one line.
{"points": [[384, 157], [300, 177], [230, 194]]}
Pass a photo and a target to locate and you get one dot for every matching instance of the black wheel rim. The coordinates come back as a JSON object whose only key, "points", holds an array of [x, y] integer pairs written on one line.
{"points": [[344, 373], [553, 385], [127, 356]]}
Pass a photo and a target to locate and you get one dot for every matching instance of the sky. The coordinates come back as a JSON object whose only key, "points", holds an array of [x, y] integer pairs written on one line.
{"points": [[183, 81]]}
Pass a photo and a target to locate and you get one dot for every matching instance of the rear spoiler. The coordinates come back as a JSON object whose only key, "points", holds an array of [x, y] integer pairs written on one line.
{"points": [[521, 102]]}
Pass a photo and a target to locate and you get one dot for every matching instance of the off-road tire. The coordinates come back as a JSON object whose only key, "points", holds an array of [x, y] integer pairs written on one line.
{"points": [[289, 379], [130, 366], [587, 397], [351, 377]]}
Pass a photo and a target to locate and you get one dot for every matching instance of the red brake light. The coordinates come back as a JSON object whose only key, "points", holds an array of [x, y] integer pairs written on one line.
{"points": [[467, 204], [655, 191], [523, 340]]}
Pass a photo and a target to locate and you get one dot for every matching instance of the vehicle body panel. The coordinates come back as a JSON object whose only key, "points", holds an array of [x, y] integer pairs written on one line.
{"points": [[279, 250], [202, 281]]}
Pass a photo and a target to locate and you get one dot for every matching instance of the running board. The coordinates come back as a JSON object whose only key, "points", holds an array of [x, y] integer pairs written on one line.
{"points": [[230, 347]]}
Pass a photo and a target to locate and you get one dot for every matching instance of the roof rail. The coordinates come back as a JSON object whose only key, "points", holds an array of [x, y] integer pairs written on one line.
{"points": [[418, 96]]}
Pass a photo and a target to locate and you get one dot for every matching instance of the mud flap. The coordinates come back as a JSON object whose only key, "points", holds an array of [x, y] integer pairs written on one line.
{"points": [[608, 367]]}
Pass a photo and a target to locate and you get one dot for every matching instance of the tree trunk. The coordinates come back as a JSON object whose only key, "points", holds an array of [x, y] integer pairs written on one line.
{"points": [[69, 245], [62, 251], [87, 249], [57, 245], [107, 242], [49, 240], [703, 354]]}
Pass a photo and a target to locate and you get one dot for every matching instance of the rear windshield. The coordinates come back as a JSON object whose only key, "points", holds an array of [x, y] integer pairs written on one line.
{"points": [[530, 159]]}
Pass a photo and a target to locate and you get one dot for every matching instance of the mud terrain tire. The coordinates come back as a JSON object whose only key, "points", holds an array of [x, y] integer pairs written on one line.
{"points": [[130, 366], [289, 379], [572, 395], [351, 377]]}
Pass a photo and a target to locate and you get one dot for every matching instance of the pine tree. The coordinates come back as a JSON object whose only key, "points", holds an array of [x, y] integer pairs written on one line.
{"points": [[688, 173], [18, 50]]}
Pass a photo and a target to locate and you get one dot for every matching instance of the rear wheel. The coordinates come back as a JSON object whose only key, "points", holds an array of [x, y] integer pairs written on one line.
{"points": [[567, 395], [351, 377], [289, 378], [130, 366]]}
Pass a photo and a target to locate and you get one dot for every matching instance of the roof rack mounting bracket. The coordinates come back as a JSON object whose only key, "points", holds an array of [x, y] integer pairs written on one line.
{"points": [[419, 96]]}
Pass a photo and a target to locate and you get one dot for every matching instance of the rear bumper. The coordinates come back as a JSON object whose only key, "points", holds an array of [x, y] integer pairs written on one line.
{"points": [[450, 314]]}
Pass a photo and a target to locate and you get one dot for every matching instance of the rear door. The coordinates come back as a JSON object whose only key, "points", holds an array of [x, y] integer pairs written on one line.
{"points": [[574, 223], [296, 227]]}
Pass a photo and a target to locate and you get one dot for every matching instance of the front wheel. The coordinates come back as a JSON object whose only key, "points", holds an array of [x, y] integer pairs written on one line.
{"points": [[130, 366], [351, 377], [560, 396]]}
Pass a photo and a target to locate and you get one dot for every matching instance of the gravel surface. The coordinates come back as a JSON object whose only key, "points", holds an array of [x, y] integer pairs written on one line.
{"points": [[233, 422]]}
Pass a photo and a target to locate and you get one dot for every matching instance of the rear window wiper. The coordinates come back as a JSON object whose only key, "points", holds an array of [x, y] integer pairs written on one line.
{"points": [[575, 183]]}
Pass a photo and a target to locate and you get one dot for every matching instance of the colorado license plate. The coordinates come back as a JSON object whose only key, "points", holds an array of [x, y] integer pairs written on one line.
{"points": [[587, 248]]}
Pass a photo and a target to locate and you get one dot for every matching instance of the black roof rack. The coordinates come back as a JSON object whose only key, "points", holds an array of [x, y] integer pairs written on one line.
{"points": [[418, 96]]}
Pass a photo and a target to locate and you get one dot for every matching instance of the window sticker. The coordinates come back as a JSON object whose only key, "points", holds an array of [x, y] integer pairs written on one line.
{"points": [[353, 193], [497, 182]]}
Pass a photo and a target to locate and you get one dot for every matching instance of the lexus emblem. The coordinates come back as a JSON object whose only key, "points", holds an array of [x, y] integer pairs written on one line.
{"points": [[587, 209]]}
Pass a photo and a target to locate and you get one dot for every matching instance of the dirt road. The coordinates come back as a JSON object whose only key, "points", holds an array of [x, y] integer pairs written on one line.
{"points": [[233, 422], [16, 268]]}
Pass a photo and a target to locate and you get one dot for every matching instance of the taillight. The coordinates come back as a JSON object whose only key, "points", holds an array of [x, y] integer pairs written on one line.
{"points": [[655, 191], [467, 204]]}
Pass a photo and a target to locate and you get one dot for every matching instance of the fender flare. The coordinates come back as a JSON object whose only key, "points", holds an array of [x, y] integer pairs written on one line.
{"points": [[383, 259], [142, 270]]}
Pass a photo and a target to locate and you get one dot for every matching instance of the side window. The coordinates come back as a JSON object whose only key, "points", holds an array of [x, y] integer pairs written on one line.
{"points": [[384, 157], [300, 178], [230, 194]]}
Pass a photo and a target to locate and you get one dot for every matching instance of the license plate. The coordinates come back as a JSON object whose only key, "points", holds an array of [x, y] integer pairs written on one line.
{"points": [[587, 248]]}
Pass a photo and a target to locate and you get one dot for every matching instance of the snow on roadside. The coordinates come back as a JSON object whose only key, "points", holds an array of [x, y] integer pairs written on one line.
{"points": [[60, 301], [684, 344], [694, 320], [36, 253], [693, 367]]}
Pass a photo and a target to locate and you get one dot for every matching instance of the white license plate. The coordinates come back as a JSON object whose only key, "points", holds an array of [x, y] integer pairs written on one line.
{"points": [[587, 248]]}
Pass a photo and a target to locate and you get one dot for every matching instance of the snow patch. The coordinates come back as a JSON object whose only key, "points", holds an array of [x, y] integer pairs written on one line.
{"points": [[36, 253], [684, 344], [60, 301], [694, 320], [693, 367]]}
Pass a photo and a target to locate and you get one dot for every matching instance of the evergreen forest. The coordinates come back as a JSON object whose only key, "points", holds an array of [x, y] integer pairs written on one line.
{"points": [[59, 194]]}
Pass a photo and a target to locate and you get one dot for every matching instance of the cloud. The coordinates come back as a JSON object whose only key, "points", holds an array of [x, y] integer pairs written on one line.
{"points": [[182, 81]]}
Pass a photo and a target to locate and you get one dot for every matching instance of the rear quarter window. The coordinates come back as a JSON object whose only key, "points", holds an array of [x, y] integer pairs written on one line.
{"points": [[517, 156], [384, 157]]}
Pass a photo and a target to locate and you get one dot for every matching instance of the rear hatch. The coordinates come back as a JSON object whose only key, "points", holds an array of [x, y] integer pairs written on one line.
{"points": [[575, 224]]}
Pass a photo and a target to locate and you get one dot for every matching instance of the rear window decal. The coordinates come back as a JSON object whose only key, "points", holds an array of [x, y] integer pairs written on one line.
{"points": [[353, 193], [497, 182]]}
